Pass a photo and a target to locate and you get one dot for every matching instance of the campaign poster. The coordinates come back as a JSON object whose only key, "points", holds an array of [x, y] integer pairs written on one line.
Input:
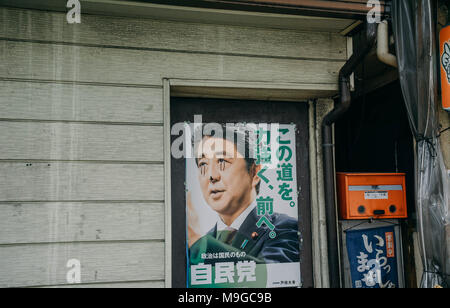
{"points": [[242, 209], [372, 257]]}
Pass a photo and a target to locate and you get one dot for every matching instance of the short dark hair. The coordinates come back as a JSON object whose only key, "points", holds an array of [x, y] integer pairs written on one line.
{"points": [[234, 133]]}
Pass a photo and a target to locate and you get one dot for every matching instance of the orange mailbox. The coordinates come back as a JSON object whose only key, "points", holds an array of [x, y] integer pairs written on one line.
{"points": [[371, 195]]}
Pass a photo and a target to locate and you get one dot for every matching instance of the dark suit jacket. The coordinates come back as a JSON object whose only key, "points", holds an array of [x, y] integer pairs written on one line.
{"points": [[284, 248]]}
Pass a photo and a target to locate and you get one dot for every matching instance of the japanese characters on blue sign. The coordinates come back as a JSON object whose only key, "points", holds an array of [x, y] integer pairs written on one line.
{"points": [[372, 257]]}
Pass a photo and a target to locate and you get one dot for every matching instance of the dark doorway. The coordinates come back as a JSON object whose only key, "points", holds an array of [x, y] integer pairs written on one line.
{"points": [[374, 136], [240, 111]]}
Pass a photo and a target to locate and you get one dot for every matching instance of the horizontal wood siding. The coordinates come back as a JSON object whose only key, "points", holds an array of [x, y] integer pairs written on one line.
{"points": [[79, 103], [57, 62], [81, 132], [46, 264], [74, 181], [52, 222], [116, 285], [68, 141], [171, 36]]}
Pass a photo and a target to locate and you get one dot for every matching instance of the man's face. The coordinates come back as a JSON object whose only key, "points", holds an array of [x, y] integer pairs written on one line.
{"points": [[225, 181]]}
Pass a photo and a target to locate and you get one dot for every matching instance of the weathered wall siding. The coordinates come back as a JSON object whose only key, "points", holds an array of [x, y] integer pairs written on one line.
{"points": [[81, 119], [141, 67], [125, 285], [75, 102], [166, 35], [44, 222], [46, 264], [77, 181], [68, 141]]}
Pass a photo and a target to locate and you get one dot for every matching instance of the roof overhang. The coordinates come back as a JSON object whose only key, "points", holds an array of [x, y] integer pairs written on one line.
{"points": [[353, 9], [225, 13]]}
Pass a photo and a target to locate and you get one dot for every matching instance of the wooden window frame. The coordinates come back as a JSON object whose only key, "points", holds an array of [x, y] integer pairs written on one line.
{"points": [[221, 88]]}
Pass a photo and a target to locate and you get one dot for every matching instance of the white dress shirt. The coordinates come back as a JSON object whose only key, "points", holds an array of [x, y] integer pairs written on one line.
{"points": [[236, 224]]}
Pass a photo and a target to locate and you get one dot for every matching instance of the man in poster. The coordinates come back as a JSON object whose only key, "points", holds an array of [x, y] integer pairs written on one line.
{"points": [[230, 183]]}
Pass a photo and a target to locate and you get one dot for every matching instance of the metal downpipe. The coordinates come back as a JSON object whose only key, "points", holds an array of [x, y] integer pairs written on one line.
{"points": [[328, 147]]}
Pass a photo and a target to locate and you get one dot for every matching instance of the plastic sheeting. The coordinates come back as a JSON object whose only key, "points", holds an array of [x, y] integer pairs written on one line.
{"points": [[415, 36]]}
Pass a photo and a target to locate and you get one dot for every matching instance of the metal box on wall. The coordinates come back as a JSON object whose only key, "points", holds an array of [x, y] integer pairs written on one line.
{"points": [[371, 195]]}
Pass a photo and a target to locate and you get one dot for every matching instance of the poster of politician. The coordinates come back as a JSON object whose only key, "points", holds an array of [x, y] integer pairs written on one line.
{"points": [[242, 211]]}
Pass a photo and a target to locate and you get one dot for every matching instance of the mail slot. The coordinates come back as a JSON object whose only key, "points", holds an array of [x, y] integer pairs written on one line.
{"points": [[371, 195]]}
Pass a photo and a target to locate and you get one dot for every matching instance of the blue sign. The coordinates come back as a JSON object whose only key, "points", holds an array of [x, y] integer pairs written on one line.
{"points": [[372, 257]]}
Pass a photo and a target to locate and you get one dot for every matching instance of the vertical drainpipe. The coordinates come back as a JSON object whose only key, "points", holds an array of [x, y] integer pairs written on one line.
{"points": [[328, 160]]}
